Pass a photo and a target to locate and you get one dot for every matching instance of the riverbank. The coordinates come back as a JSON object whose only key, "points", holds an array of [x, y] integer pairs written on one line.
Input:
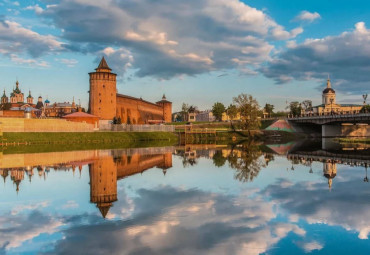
{"points": [[353, 140], [40, 141]]}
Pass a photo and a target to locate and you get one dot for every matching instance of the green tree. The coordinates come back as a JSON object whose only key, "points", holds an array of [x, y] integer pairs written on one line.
{"points": [[232, 111], [218, 109], [218, 159], [295, 108], [249, 111], [269, 109], [248, 164]]}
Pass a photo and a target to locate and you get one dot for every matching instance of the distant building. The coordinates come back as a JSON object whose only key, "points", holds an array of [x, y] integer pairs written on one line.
{"points": [[330, 106], [205, 116], [59, 109], [106, 103], [226, 117]]}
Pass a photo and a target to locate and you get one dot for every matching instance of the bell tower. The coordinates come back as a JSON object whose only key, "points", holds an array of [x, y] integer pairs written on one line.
{"points": [[103, 91]]}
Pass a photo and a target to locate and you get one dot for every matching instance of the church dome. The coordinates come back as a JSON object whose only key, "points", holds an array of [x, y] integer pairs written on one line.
{"points": [[327, 90], [47, 101]]}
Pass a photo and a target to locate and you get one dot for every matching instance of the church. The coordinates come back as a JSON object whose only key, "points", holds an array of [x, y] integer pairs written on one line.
{"points": [[106, 103], [330, 106]]}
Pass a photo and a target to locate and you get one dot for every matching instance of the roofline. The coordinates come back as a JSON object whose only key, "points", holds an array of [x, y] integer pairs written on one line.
{"points": [[138, 99]]}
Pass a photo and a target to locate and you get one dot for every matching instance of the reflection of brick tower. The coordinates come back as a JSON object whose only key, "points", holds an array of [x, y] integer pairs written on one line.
{"points": [[167, 109], [103, 92], [330, 171], [167, 162], [103, 183]]}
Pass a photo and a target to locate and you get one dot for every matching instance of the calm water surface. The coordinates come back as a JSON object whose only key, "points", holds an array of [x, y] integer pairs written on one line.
{"points": [[291, 198]]}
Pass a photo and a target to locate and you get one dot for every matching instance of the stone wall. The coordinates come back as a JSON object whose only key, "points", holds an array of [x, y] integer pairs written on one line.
{"points": [[43, 125], [137, 110]]}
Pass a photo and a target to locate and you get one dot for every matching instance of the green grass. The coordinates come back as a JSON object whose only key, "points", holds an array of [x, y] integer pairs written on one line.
{"points": [[79, 137], [47, 142]]}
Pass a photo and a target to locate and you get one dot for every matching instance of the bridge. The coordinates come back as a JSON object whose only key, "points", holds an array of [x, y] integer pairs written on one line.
{"points": [[345, 125]]}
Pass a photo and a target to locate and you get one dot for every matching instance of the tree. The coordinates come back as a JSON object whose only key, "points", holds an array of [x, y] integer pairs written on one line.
{"points": [[295, 108], [6, 106], [248, 164], [184, 111], [365, 109], [232, 111], [269, 109], [249, 111], [218, 109], [218, 159], [192, 109], [307, 105]]}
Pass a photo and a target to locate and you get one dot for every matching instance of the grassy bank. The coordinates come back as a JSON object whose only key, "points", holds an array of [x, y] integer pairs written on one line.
{"points": [[41, 142]]}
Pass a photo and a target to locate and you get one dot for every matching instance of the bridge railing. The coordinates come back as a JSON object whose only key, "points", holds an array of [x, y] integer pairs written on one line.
{"points": [[332, 116]]}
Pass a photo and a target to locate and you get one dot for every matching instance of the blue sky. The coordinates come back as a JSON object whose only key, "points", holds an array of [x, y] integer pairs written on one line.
{"points": [[196, 51]]}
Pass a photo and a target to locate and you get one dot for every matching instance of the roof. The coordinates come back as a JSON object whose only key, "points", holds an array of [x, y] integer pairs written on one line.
{"points": [[103, 65], [327, 90], [138, 99], [80, 115], [344, 105]]}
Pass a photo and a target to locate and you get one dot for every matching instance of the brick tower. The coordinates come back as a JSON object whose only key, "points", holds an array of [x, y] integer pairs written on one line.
{"points": [[167, 109], [102, 102]]}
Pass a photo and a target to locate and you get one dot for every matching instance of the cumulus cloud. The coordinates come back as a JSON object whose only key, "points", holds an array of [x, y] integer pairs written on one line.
{"points": [[16, 39], [169, 38], [346, 57], [307, 16], [346, 206], [16, 229], [174, 221]]}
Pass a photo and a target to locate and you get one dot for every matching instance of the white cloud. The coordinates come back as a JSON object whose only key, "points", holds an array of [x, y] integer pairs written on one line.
{"points": [[170, 38], [16, 39], [346, 57], [311, 246], [307, 16], [32, 62], [36, 8], [68, 62]]}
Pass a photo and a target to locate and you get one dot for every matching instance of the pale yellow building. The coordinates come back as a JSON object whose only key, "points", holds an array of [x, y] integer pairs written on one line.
{"points": [[226, 117], [330, 106]]}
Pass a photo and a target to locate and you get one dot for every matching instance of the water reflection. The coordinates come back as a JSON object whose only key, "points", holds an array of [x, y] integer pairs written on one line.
{"points": [[245, 199]]}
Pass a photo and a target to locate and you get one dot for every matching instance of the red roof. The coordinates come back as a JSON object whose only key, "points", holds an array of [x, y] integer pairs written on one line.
{"points": [[80, 115]]}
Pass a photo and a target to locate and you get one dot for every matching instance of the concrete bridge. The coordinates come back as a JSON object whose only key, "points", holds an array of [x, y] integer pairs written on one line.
{"points": [[338, 125]]}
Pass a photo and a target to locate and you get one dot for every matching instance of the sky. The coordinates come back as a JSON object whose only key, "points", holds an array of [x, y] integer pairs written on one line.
{"points": [[195, 51]]}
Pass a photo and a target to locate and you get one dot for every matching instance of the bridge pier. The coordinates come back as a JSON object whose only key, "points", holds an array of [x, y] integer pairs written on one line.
{"points": [[331, 130]]}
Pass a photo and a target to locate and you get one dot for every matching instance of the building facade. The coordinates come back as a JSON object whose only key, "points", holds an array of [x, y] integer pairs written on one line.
{"points": [[330, 106], [106, 103]]}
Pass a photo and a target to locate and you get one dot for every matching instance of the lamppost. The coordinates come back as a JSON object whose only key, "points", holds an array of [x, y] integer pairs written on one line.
{"points": [[331, 105], [364, 97]]}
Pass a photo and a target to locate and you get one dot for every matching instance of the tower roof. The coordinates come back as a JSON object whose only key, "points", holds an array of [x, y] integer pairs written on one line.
{"points": [[103, 64], [104, 209], [328, 87]]}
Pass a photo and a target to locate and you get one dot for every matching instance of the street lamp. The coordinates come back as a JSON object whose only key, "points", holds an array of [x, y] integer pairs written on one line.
{"points": [[331, 105], [364, 97]]}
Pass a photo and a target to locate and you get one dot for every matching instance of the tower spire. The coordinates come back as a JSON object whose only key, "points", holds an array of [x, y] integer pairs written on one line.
{"points": [[328, 83], [103, 65]]}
